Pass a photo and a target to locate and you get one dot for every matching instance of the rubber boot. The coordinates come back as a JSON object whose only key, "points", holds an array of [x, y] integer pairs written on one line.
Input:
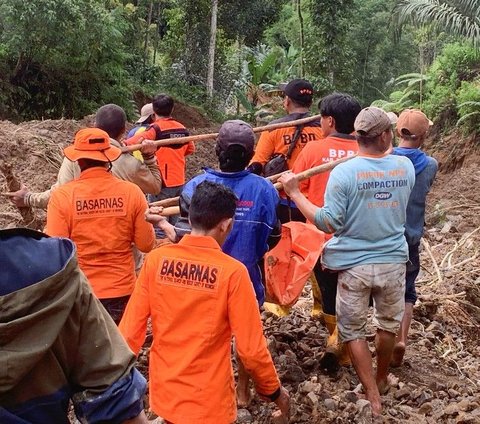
{"points": [[317, 310], [278, 310], [336, 354]]}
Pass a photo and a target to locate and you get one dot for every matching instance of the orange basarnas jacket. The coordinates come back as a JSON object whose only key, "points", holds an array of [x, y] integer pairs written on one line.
{"points": [[197, 298], [104, 216]]}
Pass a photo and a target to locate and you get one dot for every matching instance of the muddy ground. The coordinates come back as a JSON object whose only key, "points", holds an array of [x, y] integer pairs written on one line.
{"points": [[440, 380]]}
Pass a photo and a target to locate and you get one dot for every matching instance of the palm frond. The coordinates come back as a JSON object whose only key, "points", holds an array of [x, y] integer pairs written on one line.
{"points": [[457, 17], [465, 117]]}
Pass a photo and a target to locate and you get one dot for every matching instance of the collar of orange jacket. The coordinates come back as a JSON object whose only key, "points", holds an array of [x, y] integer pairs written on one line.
{"points": [[200, 241], [95, 172]]}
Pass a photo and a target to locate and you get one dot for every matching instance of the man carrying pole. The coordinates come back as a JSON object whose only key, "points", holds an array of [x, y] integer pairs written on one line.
{"points": [[171, 159], [104, 216], [283, 145], [365, 208], [197, 297]]}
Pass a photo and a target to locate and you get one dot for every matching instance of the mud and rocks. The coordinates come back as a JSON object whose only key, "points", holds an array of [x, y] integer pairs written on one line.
{"points": [[440, 379]]}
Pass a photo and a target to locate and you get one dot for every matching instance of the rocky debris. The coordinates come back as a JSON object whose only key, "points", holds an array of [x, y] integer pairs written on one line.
{"points": [[439, 381], [364, 412], [244, 416]]}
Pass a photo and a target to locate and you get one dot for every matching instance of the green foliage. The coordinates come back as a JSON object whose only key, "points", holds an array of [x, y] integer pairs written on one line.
{"points": [[249, 21], [261, 63], [398, 101], [468, 98], [457, 17], [456, 63], [63, 58], [67, 57], [331, 18], [449, 91], [257, 78]]}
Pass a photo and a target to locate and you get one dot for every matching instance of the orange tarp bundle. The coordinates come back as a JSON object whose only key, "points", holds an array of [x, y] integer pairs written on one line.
{"points": [[289, 264]]}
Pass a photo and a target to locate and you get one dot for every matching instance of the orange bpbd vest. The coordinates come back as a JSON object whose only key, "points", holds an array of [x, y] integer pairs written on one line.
{"points": [[171, 159]]}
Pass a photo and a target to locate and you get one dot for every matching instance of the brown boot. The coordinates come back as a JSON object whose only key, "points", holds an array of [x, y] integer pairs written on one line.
{"points": [[336, 354]]}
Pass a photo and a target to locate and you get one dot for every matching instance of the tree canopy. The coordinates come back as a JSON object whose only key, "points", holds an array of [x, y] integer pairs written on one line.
{"points": [[67, 57]]}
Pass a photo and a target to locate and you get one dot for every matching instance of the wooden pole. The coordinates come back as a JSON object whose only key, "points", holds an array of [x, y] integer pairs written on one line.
{"points": [[173, 201], [212, 136], [326, 167]]}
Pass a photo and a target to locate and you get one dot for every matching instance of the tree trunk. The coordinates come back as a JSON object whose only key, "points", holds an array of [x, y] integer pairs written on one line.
{"points": [[157, 29], [302, 38], [239, 71], [149, 22], [211, 48]]}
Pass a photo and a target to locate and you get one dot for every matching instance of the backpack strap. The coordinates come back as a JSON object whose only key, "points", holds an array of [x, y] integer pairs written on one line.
{"points": [[296, 136]]}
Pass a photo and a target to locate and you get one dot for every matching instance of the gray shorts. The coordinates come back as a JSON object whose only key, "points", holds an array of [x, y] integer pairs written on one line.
{"points": [[385, 283]]}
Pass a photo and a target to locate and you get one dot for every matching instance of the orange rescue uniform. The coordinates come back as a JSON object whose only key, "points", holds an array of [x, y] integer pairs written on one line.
{"points": [[171, 160], [320, 152], [197, 297], [103, 215], [278, 141]]}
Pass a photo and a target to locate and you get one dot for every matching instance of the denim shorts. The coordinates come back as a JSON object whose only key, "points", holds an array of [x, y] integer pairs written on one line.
{"points": [[385, 283]]}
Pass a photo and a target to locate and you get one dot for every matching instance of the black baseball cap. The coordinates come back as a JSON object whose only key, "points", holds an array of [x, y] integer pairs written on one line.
{"points": [[236, 132], [298, 90]]}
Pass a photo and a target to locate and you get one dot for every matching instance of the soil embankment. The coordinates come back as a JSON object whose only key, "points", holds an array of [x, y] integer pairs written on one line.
{"points": [[440, 380]]}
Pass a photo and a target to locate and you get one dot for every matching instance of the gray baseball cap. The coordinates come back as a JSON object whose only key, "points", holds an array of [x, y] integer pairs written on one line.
{"points": [[371, 122], [236, 132], [145, 113]]}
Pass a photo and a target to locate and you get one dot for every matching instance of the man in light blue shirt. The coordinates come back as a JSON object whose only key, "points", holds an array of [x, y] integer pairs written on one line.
{"points": [[365, 208]]}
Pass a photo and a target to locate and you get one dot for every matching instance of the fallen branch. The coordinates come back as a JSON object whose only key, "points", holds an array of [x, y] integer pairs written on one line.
{"points": [[13, 185], [465, 261], [469, 206], [426, 245], [448, 257], [213, 136], [433, 297]]}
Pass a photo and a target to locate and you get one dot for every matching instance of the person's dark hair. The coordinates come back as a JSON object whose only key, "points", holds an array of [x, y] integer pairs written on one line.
{"points": [[234, 159], [298, 103], [84, 163], [162, 105], [111, 119], [408, 136], [211, 203], [341, 107], [365, 140]]}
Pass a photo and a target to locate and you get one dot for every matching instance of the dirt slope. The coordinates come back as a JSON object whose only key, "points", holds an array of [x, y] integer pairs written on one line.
{"points": [[440, 382]]}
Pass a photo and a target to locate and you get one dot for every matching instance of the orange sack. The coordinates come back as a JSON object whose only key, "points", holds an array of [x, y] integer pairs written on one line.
{"points": [[289, 264]]}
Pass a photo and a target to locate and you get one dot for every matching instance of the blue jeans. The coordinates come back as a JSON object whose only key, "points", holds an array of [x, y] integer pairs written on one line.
{"points": [[413, 268]]}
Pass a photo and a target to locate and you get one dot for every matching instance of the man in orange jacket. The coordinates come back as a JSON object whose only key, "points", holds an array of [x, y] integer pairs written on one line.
{"points": [[103, 215], [291, 140], [197, 297], [338, 111], [171, 159]]}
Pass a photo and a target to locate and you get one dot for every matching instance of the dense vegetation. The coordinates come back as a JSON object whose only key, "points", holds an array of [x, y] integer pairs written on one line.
{"points": [[66, 57]]}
